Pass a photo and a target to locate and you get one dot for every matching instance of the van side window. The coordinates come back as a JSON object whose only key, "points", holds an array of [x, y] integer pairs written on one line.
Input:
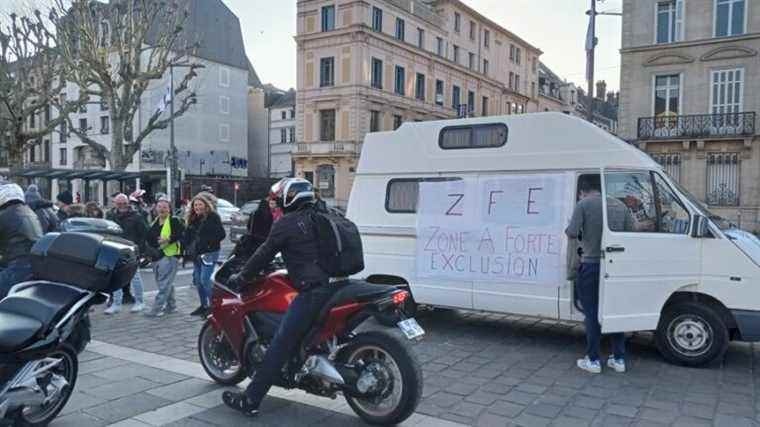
{"points": [[648, 200], [630, 202], [672, 215], [401, 194], [491, 135]]}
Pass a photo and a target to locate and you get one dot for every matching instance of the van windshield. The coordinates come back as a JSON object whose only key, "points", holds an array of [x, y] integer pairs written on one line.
{"points": [[718, 220]]}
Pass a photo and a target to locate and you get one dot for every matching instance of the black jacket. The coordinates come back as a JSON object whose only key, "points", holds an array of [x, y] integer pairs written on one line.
{"points": [[134, 226], [62, 216], [178, 229], [204, 236], [46, 214], [19, 231], [260, 223], [294, 236]]}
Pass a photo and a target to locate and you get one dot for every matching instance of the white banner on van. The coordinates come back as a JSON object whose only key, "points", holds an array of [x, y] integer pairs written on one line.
{"points": [[507, 229]]}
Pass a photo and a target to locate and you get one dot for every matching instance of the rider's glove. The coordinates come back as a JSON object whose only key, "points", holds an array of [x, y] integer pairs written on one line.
{"points": [[236, 281]]}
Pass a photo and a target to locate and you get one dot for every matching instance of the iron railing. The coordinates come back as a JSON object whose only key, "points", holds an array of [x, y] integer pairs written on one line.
{"points": [[697, 126]]}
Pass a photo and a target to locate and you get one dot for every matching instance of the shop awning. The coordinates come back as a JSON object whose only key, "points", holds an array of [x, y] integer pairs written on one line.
{"points": [[68, 174]]}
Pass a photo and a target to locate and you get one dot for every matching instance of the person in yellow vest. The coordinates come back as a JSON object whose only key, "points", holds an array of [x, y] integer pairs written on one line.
{"points": [[163, 239]]}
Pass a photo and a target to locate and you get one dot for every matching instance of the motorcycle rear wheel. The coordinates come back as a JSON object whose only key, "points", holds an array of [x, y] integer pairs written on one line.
{"points": [[395, 360], [44, 415], [218, 358]]}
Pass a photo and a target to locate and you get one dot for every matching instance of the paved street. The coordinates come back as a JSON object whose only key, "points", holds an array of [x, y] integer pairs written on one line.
{"points": [[480, 369]]}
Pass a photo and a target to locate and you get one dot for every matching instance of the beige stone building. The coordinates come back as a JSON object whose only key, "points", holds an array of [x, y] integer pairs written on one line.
{"points": [[370, 65], [690, 91]]}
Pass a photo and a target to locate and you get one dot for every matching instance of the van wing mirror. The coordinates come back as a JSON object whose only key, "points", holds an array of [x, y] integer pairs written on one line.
{"points": [[700, 227]]}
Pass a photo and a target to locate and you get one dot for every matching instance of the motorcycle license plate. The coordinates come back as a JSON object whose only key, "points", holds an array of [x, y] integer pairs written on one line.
{"points": [[411, 328]]}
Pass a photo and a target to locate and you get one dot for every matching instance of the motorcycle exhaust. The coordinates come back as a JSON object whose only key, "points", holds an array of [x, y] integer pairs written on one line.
{"points": [[320, 367]]}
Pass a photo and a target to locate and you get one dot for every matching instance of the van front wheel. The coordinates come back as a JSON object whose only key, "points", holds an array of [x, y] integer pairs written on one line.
{"points": [[691, 334]]}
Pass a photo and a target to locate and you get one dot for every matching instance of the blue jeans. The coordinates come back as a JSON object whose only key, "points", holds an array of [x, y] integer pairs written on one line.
{"points": [[165, 271], [136, 285], [587, 288], [203, 268], [16, 272], [295, 325]]}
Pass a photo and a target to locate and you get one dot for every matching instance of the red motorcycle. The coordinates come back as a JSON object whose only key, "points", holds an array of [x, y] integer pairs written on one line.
{"points": [[376, 371]]}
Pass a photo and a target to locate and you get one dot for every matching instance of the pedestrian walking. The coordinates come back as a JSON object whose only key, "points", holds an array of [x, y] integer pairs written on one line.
{"points": [[586, 226], [164, 247], [202, 244], [135, 230]]}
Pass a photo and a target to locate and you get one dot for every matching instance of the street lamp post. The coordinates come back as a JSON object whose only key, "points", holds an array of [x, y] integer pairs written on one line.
{"points": [[174, 195], [176, 189], [591, 42]]}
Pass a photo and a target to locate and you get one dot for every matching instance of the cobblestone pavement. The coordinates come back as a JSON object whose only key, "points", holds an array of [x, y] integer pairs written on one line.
{"points": [[496, 370], [123, 387]]}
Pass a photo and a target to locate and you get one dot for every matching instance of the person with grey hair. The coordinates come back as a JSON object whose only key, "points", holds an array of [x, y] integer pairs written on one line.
{"points": [[136, 230], [19, 231]]}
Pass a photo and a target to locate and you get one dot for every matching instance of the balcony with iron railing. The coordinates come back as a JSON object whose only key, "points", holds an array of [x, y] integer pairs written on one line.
{"points": [[326, 149], [727, 125]]}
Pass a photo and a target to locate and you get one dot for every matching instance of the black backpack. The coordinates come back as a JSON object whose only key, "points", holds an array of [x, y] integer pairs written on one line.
{"points": [[340, 244]]}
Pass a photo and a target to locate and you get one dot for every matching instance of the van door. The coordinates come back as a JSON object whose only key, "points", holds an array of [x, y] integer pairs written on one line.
{"points": [[647, 250]]}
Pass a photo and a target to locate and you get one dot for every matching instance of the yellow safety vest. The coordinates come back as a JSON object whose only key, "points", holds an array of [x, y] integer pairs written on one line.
{"points": [[166, 233]]}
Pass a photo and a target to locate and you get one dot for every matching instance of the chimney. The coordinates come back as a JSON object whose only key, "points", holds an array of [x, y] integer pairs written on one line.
{"points": [[601, 89], [611, 98]]}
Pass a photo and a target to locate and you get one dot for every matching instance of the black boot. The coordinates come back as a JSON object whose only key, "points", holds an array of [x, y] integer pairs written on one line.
{"points": [[239, 402]]}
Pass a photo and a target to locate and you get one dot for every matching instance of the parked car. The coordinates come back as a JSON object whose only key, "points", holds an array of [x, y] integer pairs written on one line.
{"points": [[677, 270], [91, 225], [240, 219], [225, 210]]}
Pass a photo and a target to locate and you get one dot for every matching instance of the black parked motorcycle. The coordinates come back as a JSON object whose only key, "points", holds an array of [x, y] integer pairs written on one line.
{"points": [[44, 322]]}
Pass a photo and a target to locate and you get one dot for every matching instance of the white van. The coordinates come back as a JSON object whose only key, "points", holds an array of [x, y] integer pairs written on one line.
{"points": [[681, 271]]}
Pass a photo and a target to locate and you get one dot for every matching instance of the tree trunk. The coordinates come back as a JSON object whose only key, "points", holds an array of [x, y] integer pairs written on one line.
{"points": [[118, 162], [16, 151]]}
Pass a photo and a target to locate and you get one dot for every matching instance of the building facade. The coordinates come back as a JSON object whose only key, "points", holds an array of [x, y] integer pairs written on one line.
{"points": [[368, 66], [211, 137], [282, 135], [690, 94], [554, 93]]}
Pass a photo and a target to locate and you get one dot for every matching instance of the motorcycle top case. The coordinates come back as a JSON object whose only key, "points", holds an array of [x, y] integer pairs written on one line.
{"points": [[88, 261]]}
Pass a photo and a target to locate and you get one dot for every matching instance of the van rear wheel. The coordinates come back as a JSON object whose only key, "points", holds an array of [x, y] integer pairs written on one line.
{"points": [[691, 334]]}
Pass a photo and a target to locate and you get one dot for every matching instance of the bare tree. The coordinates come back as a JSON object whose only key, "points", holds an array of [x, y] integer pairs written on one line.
{"points": [[113, 52], [31, 81]]}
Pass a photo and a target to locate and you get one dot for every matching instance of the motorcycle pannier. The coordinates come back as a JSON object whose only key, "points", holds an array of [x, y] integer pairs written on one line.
{"points": [[88, 261]]}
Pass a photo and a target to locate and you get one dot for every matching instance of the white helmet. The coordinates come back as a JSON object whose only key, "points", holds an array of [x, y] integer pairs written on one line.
{"points": [[10, 192]]}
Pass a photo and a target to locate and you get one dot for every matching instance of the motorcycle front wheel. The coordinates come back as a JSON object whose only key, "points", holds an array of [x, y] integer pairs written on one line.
{"points": [[390, 378], [218, 358], [38, 416]]}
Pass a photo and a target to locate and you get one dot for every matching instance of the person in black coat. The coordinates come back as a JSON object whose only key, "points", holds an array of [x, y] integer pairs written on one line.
{"points": [[257, 230], [19, 231], [201, 245], [63, 200], [136, 230], [43, 208]]}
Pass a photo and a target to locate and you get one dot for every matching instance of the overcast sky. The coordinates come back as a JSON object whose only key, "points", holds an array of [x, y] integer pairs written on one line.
{"points": [[557, 27]]}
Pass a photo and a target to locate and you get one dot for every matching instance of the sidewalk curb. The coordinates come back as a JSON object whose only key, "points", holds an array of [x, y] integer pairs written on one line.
{"points": [[195, 370]]}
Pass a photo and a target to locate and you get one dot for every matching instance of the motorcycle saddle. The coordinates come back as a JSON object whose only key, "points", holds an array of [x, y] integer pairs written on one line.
{"points": [[354, 291], [32, 309]]}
